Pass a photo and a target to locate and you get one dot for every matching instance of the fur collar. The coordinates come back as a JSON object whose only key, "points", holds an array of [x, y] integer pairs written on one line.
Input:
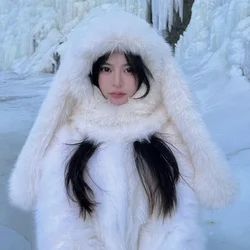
{"points": [[135, 120]]}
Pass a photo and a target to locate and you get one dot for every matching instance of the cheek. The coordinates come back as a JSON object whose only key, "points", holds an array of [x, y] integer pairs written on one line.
{"points": [[133, 85], [103, 84]]}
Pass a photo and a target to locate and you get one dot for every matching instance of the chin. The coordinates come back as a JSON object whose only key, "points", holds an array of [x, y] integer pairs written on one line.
{"points": [[118, 102]]}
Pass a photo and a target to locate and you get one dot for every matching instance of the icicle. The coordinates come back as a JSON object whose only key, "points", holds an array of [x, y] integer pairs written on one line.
{"points": [[170, 13], [155, 13], [163, 12]]}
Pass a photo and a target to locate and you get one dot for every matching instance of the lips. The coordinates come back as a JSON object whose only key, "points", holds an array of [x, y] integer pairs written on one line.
{"points": [[117, 95]]}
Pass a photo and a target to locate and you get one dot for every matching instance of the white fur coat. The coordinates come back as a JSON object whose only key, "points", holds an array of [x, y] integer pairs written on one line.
{"points": [[121, 220], [75, 109]]}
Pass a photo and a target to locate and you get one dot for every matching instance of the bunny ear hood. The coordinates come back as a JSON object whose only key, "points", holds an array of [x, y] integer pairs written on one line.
{"points": [[71, 88]]}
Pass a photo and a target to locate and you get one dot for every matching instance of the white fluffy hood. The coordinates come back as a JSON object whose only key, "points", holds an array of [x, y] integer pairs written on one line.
{"points": [[71, 90]]}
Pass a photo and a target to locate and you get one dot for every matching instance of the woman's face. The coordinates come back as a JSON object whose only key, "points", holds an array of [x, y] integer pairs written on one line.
{"points": [[116, 79]]}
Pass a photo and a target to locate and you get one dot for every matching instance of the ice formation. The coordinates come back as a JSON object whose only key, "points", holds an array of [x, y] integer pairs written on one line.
{"points": [[163, 12], [33, 32], [218, 29]]}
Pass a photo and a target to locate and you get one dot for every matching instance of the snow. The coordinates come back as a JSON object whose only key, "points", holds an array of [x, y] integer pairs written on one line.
{"points": [[20, 98], [225, 105], [229, 115], [214, 53], [33, 30], [218, 26]]}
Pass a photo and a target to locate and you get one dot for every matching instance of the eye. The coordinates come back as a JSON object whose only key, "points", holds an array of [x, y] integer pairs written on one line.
{"points": [[105, 69], [129, 70]]}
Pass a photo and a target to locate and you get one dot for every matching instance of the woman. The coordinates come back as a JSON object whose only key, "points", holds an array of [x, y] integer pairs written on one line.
{"points": [[118, 158]]}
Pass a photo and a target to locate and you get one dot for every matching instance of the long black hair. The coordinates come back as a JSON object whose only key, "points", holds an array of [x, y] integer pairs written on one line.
{"points": [[77, 188], [159, 173], [156, 166], [139, 69]]}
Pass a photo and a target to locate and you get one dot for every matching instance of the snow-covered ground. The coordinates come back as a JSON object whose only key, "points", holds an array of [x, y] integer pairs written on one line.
{"points": [[20, 99], [215, 53], [225, 104]]}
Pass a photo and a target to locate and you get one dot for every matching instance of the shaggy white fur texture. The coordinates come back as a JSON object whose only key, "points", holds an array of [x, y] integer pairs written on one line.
{"points": [[74, 109], [121, 220]]}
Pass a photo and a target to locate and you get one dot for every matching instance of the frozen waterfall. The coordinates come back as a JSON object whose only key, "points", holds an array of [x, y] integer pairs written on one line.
{"points": [[33, 31]]}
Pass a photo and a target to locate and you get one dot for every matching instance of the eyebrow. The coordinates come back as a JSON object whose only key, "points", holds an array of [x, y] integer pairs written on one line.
{"points": [[109, 64]]}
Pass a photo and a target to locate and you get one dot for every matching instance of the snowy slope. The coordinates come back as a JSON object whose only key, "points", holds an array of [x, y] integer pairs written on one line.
{"points": [[225, 105]]}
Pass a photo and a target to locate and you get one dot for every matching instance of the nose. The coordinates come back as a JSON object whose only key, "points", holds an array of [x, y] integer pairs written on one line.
{"points": [[117, 81]]}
